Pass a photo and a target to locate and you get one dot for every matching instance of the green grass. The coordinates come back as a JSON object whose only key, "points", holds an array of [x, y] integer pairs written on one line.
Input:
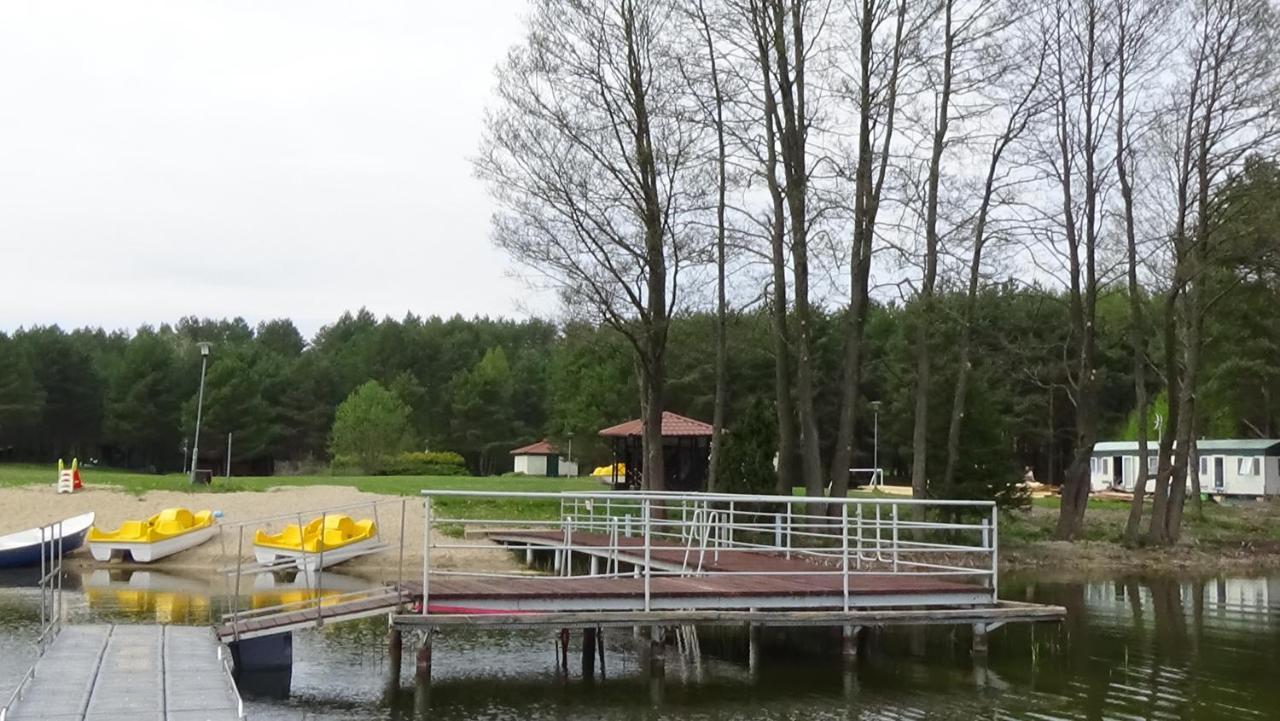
{"points": [[514, 508], [28, 475]]}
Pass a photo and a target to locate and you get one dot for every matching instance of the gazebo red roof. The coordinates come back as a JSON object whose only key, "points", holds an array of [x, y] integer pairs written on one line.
{"points": [[673, 425], [541, 448]]}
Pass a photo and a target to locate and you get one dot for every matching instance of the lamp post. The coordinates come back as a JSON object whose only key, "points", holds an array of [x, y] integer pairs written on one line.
{"points": [[195, 442], [875, 448]]}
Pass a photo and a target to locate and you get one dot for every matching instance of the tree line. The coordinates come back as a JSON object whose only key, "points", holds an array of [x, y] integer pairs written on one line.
{"points": [[814, 163], [482, 386]]}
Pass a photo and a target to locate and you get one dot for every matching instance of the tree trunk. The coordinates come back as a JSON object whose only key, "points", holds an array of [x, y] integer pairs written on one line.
{"points": [[654, 478], [1157, 530], [920, 431], [783, 397], [789, 58], [722, 349], [866, 206], [1137, 320]]}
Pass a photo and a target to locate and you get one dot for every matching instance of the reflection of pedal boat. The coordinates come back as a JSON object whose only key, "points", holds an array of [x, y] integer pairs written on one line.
{"points": [[340, 539], [164, 534], [23, 548]]}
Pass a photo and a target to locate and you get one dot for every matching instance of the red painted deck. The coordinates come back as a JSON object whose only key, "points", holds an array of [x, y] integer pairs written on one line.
{"points": [[670, 553]]}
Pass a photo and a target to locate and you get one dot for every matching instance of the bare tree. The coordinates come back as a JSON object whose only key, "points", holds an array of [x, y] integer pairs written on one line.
{"points": [[714, 108], [1136, 27], [587, 153], [790, 48], [1227, 90], [1020, 79], [761, 23], [1076, 167], [879, 65]]}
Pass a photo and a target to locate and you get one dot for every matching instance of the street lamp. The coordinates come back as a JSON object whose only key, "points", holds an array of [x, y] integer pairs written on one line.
{"points": [[875, 448], [195, 443]]}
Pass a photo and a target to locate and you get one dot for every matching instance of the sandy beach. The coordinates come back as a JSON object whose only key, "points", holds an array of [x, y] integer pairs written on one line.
{"points": [[27, 507]]}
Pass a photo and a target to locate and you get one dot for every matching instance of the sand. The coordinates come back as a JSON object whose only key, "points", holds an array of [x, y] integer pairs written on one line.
{"points": [[28, 507]]}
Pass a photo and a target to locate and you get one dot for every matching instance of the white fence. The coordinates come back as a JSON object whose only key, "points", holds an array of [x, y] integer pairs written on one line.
{"points": [[650, 535]]}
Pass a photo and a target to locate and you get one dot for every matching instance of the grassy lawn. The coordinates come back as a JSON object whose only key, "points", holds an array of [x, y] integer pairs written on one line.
{"points": [[1232, 525], [29, 475]]}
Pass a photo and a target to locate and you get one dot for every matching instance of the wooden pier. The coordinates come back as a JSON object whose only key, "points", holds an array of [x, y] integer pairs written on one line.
{"points": [[129, 673], [654, 560]]}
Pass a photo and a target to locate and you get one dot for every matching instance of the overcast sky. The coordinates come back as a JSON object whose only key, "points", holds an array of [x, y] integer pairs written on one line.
{"points": [[259, 158]]}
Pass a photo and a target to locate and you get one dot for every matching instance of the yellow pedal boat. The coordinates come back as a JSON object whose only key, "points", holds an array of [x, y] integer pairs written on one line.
{"points": [[312, 546], [164, 534]]}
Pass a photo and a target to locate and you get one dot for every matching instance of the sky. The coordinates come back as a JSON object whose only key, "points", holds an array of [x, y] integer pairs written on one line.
{"points": [[221, 158]]}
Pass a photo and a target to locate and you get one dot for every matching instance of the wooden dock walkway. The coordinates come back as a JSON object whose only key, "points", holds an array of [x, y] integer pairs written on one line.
{"points": [[129, 673]]}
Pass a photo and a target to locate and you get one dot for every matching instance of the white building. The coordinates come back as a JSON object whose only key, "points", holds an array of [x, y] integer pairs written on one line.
{"points": [[543, 459], [1232, 467]]}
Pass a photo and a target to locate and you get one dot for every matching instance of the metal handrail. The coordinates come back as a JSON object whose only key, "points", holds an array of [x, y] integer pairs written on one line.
{"points": [[315, 583], [51, 608], [231, 678], [893, 536]]}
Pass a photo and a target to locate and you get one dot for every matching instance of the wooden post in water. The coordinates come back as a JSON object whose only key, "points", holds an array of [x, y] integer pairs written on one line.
{"points": [[588, 654], [423, 672], [657, 659], [395, 652], [849, 644], [600, 649], [753, 649], [564, 651], [980, 639]]}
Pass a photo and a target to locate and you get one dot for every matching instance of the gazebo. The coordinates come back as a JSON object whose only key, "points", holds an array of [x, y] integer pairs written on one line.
{"points": [[686, 445]]}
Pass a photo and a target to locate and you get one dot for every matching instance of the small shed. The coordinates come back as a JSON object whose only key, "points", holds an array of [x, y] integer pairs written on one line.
{"points": [[686, 448], [543, 459], [1230, 467]]}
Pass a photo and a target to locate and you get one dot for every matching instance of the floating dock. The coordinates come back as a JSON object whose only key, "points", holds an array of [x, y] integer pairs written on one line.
{"points": [[128, 673]]}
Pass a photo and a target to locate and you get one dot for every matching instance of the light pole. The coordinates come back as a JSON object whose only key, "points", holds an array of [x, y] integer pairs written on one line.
{"points": [[875, 448], [195, 442]]}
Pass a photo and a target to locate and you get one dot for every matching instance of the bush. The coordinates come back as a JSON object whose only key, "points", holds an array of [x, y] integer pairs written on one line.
{"points": [[430, 463]]}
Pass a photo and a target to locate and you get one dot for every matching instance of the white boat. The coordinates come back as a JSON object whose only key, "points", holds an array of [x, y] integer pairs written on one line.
{"points": [[23, 548], [164, 534]]}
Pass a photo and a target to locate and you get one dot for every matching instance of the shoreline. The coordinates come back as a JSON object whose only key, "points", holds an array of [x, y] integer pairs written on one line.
{"points": [[30, 506]]}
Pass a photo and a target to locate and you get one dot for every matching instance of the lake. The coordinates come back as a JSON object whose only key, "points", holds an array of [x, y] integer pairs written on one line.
{"points": [[1132, 647]]}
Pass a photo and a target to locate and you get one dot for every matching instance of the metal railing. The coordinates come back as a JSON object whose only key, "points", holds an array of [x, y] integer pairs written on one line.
{"points": [[51, 608], [318, 598], [224, 659], [657, 534]]}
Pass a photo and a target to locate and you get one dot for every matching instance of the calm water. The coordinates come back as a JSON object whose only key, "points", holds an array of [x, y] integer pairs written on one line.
{"points": [[1131, 648]]}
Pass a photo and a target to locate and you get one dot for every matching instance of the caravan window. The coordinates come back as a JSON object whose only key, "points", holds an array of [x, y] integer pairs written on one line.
{"points": [[1204, 465], [1248, 466], [1153, 463]]}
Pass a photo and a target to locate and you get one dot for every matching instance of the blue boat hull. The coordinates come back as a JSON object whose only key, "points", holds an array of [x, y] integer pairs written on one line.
{"points": [[30, 555]]}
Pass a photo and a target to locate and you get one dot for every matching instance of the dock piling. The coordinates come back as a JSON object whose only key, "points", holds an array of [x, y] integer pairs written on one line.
{"points": [[980, 641], [588, 654], [849, 638], [395, 652], [423, 671]]}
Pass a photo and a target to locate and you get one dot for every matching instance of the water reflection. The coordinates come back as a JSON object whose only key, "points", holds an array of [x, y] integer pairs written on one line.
{"points": [[1137, 647]]}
